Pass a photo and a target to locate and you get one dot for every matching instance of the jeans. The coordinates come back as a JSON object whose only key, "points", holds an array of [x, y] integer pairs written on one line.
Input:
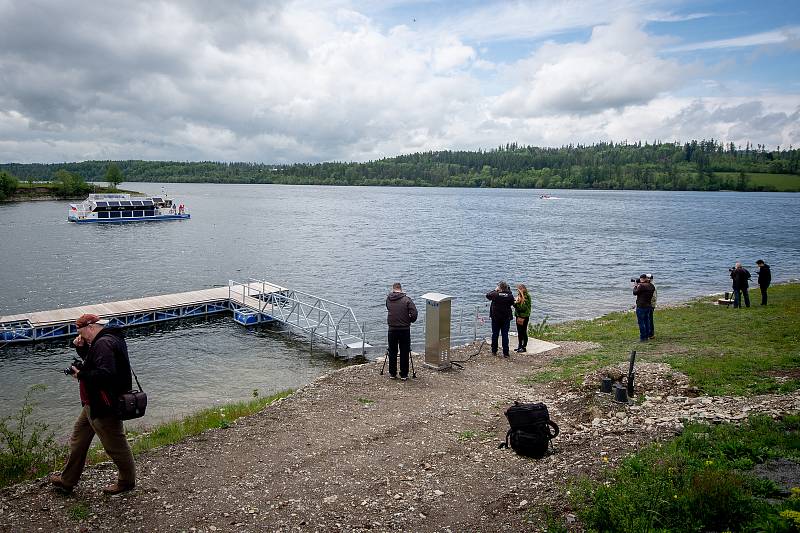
{"points": [[522, 333], [399, 338], [500, 326], [737, 297], [644, 316]]}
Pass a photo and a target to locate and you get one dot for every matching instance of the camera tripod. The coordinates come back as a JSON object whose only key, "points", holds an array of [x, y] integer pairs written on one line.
{"points": [[410, 358]]}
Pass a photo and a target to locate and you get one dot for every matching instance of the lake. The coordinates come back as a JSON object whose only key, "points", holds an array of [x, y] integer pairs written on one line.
{"points": [[576, 253]]}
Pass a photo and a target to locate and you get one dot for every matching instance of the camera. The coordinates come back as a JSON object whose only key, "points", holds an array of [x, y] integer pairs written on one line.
{"points": [[77, 363], [634, 280], [731, 269]]}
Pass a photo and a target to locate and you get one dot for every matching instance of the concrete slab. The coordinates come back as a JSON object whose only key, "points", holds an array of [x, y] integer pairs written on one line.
{"points": [[534, 345]]}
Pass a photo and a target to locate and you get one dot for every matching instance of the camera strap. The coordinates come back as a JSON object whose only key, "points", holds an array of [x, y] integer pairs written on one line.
{"points": [[137, 380]]}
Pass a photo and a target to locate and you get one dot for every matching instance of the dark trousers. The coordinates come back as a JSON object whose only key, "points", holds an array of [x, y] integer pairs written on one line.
{"points": [[399, 338], [112, 437], [763, 294], [644, 316], [500, 326], [737, 297], [522, 332]]}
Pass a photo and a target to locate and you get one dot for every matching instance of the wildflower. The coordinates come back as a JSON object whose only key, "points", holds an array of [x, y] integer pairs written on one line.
{"points": [[709, 463]]}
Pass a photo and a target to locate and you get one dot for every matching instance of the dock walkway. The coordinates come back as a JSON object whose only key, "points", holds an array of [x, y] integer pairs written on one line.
{"points": [[252, 302]]}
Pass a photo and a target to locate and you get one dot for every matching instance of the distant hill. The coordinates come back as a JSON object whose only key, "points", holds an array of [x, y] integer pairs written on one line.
{"points": [[696, 165]]}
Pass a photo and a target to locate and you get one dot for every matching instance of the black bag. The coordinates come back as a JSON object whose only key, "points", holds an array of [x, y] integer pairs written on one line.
{"points": [[531, 429], [132, 404]]}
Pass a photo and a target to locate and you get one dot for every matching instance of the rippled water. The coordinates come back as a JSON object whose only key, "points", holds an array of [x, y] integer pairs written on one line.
{"points": [[576, 254]]}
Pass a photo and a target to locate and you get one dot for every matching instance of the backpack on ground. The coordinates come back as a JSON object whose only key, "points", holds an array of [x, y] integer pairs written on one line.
{"points": [[531, 429]]}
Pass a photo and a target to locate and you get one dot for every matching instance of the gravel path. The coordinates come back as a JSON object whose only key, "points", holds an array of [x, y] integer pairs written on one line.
{"points": [[356, 451]]}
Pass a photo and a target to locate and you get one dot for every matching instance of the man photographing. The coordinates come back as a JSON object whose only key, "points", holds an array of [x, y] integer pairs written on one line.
{"points": [[104, 374], [644, 291], [740, 277], [401, 312]]}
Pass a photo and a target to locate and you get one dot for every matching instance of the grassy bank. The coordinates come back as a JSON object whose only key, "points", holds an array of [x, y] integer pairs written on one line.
{"points": [[28, 449], [722, 350], [765, 181], [701, 481]]}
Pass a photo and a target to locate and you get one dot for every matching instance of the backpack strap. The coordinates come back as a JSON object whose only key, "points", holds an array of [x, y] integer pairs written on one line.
{"points": [[504, 444], [552, 429]]}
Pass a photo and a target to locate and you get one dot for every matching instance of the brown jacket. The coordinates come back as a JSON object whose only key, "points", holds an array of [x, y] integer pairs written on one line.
{"points": [[402, 311]]}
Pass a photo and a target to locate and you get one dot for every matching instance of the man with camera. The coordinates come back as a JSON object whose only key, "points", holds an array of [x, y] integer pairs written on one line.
{"points": [[103, 373], [644, 291], [501, 313], [740, 277], [401, 312]]}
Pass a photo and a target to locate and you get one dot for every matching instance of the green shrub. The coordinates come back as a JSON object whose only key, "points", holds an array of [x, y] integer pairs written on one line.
{"points": [[8, 185], [27, 447]]}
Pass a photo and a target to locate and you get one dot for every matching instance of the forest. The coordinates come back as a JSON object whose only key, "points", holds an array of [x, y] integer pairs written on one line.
{"points": [[705, 165]]}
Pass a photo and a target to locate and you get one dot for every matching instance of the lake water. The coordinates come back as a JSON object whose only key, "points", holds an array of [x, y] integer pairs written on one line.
{"points": [[576, 253]]}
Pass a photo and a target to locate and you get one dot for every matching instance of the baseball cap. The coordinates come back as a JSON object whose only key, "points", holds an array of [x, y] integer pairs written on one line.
{"points": [[88, 318]]}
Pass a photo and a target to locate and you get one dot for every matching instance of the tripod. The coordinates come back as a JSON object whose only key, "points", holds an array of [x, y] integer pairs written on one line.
{"points": [[410, 358]]}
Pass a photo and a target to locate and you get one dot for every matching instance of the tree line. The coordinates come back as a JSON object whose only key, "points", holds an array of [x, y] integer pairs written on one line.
{"points": [[705, 165]]}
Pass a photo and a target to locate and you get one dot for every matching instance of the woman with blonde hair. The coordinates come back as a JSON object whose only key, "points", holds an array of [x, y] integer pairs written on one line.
{"points": [[522, 310]]}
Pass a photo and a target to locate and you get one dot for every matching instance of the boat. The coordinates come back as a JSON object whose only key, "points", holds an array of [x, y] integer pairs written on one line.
{"points": [[117, 207]]}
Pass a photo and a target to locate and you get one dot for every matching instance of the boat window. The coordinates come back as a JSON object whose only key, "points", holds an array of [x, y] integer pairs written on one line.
{"points": [[127, 214], [115, 214], [102, 214], [138, 213], [149, 213]]}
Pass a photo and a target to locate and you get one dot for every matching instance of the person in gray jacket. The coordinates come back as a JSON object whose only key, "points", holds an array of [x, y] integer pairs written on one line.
{"points": [[401, 312]]}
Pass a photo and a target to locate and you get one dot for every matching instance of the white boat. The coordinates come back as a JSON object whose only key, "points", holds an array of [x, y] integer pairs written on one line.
{"points": [[117, 207]]}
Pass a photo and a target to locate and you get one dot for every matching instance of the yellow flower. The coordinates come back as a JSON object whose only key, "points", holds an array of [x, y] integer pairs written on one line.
{"points": [[709, 463]]}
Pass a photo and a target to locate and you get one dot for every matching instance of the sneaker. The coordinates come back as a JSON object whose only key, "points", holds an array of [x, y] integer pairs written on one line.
{"points": [[118, 488], [57, 482], [392, 376], [522, 350], [404, 379]]}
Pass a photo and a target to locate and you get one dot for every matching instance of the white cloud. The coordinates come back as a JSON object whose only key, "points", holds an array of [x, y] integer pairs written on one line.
{"points": [[789, 34], [617, 67], [307, 81]]}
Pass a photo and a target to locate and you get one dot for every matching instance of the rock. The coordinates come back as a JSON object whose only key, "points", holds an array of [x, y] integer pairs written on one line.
{"points": [[330, 499]]}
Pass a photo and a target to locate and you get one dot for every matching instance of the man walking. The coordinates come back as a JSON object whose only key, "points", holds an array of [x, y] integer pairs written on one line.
{"points": [[500, 312], [401, 312], [644, 291], [740, 276], [103, 376], [764, 279]]}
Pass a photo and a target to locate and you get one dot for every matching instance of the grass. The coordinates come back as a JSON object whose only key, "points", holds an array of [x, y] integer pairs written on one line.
{"points": [[28, 450], [700, 481], [767, 181], [724, 351], [79, 511]]}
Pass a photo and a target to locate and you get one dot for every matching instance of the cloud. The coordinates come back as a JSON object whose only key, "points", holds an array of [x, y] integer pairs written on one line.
{"points": [[617, 67], [301, 80], [789, 35]]}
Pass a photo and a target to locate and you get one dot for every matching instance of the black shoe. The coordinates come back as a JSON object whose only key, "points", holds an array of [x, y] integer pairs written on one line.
{"points": [[522, 350], [506, 355], [403, 378], [392, 376]]}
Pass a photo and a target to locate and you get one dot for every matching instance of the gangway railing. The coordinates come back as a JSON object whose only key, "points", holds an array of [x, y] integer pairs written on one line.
{"points": [[332, 323]]}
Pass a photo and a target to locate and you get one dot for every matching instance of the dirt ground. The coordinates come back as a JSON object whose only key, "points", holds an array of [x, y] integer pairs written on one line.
{"points": [[356, 451]]}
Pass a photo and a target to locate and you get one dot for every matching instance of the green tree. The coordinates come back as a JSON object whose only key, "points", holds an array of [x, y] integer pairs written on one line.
{"points": [[70, 184], [8, 185], [113, 175]]}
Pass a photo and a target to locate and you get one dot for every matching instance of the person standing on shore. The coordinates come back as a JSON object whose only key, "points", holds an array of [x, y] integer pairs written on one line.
{"points": [[644, 291], [401, 312], [522, 311], [740, 276], [651, 327], [764, 279], [500, 313], [104, 374]]}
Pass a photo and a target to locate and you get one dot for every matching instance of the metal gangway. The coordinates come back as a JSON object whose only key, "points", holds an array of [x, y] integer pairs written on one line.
{"points": [[335, 325]]}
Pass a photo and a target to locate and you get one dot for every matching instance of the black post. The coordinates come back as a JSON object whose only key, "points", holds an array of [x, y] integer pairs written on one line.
{"points": [[631, 373]]}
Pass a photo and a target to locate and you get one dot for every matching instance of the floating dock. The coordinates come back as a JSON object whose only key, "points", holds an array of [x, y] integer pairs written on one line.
{"points": [[251, 303]]}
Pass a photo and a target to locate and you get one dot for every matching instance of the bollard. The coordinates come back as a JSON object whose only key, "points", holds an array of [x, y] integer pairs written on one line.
{"points": [[606, 384], [620, 393]]}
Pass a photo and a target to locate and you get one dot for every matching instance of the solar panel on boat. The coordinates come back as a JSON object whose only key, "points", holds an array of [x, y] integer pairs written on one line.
{"points": [[102, 204], [147, 202], [113, 204]]}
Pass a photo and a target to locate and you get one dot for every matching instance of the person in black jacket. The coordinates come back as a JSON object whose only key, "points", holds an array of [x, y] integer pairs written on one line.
{"points": [[740, 276], [764, 279], [401, 312], [501, 313], [103, 376]]}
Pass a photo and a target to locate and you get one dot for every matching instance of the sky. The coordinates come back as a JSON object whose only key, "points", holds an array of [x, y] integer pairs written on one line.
{"points": [[287, 81]]}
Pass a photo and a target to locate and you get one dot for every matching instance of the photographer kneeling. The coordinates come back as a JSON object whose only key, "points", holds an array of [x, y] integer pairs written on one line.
{"points": [[104, 374], [644, 291]]}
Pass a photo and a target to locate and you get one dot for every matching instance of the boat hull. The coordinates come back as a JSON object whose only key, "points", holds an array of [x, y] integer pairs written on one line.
{"points": [[157, 218]]}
